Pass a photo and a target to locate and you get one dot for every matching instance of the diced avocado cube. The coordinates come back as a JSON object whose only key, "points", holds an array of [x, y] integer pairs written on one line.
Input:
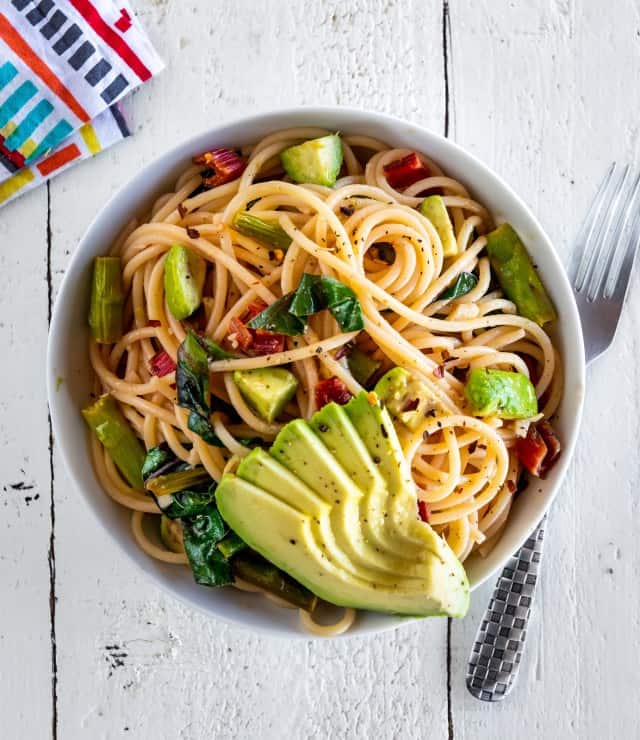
{"points": [[517, 275], [184, 274], [407, 398], [267, 390], [434, 209], [317, 161], [501, 393]]}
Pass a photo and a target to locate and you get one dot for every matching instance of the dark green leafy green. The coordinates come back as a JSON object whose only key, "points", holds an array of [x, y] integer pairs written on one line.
{"points": [[192, 383], [187, 478], [278, 319], [156, 459], [465, 282], [192, 376], [307, 298], [314, 293], [214, 351], [186, 503], [201, 536], [204, 429], [343, 304]]}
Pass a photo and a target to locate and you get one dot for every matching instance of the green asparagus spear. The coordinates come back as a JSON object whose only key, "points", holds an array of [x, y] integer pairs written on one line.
{"points": [[107, 300], [184, 275], [263, 231], [181, 480], [362, 367], [252, 568], [112, 429], [517, 275]]}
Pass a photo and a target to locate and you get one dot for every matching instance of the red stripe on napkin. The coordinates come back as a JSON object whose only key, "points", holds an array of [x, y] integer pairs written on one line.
{"points": [[109, 36], [57, 160]]}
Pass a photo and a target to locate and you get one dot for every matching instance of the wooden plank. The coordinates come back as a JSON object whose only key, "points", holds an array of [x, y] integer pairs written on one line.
{"points": [[541, 92], [25, 491], [132, 662]]}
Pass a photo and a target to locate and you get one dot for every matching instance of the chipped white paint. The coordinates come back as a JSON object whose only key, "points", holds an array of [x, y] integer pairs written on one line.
{"points": [[545, 93]]}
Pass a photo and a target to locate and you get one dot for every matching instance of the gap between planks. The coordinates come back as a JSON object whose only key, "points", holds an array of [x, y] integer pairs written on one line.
{"points": [[51, 557]]}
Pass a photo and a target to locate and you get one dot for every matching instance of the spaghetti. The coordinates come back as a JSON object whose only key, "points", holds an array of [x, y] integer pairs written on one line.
{"points": [[465, 468]]}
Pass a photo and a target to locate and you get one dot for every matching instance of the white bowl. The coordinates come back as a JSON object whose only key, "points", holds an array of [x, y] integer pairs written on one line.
{"points": [[67, 350]]}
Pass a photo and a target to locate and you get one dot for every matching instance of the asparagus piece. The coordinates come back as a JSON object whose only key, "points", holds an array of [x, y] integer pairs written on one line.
{"points": [[107, 300], [517, 275], [362, 367], [268, 233], [112, 429], [181, 480], [184, 274], [252, 568]]}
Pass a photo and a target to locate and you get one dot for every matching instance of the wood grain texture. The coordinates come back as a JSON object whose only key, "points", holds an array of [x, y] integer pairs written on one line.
{"points": [[545, 92], [25, 695], [124, 648], [549, 107]]}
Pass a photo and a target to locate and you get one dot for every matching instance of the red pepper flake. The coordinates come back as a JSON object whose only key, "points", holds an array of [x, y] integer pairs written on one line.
{"points": [[192, 233], [445, 355], [424, 510], [332, 389], [438, 372], [531, 451], [406, 171], [239, 336], [550, 438], [266, 342], [254, 342], [343, 351], [155, 322], [411, 404], [254, 308], [472, 446], [511, 486], [161, 364], [182, 210], [225, 165]]}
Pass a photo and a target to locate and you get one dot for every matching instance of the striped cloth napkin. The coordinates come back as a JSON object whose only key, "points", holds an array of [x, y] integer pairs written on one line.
{"points": [[64, 65]]}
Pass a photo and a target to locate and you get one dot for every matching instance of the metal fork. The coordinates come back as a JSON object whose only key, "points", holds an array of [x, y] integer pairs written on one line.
{"points": [[600, 267]]}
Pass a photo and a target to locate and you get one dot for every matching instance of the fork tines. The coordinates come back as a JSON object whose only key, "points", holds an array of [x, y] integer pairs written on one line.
{"points": [[607, 241]]}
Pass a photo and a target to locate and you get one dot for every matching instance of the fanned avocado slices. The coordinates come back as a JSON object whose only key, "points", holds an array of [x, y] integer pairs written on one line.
{"points": [[333, 504]]}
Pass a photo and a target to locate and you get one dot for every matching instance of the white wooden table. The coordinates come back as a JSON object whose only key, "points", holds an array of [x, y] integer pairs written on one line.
{"points": [[546, 92]]}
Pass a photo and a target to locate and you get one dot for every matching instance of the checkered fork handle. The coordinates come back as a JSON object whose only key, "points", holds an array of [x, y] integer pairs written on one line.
{"points": [[497, 650]]}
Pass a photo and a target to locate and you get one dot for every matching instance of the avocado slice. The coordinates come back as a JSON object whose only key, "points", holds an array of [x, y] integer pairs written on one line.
{"points": [[434, 209], [316, 161], [305, 513], [184, 274], [517, 276], [407, 398], [266, 389], [501, 393]]}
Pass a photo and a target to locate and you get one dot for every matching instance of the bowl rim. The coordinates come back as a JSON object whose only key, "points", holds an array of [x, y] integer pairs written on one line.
{"points": [[269, 121]]}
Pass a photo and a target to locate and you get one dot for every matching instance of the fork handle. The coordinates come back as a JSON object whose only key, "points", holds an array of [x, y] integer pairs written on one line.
{"points": [[495, 658]]}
